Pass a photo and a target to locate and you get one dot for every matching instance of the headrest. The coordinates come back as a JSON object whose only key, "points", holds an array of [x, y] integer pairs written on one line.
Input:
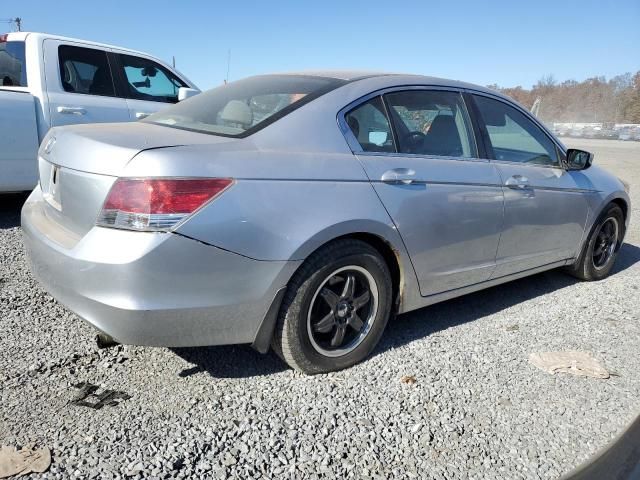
{"points": [[237, 111], [443, 138], [101, 83], [442, 124]]}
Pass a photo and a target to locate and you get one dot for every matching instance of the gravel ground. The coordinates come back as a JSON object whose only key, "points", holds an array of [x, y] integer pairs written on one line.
{"points": [[478, 409]]}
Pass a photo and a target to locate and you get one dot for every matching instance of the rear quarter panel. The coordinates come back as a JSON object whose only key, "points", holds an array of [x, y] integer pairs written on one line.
{"points": [[283, 205]]}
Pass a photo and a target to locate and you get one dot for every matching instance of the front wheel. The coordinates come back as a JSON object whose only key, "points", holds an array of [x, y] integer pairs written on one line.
{"points": [[336, 308], [601, 249]]}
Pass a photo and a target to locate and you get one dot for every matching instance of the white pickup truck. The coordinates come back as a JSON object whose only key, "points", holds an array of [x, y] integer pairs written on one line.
{"points": [[47, 81]]}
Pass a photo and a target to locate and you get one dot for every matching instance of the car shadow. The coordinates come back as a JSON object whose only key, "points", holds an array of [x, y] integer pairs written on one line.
{"points": [[628, 256], [241, 361], [441, 316], [10, 206], [457, 311], [232, 361]]}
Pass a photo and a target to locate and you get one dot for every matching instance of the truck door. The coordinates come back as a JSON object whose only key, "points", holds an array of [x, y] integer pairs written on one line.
{"points": [[147, 85], [80, 85]]}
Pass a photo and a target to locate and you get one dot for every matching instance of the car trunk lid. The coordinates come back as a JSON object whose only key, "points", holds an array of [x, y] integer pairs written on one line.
{"points": [[105, 149], [79, 164]]}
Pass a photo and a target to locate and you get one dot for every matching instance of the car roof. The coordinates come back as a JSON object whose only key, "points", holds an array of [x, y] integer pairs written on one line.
{"points": [[338, 74], [393, 78]]}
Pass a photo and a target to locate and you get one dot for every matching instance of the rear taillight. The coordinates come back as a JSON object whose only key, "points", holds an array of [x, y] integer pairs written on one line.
{"points": [[157, 204]]}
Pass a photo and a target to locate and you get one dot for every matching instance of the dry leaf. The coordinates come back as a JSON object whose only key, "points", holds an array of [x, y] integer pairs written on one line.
{"points": [[576, 363], [23, 462], [408, 379]]}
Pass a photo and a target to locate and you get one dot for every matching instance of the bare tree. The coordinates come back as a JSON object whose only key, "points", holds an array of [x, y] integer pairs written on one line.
{"points": [[593, 100]]}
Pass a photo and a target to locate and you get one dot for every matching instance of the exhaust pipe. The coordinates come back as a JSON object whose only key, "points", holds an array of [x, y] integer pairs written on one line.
{"points": [[105, 341]]}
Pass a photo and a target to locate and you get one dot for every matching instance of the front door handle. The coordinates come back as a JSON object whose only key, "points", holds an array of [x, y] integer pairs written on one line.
{"points": [[399, 176], [518, 182], [140, 115], [72, 110]]}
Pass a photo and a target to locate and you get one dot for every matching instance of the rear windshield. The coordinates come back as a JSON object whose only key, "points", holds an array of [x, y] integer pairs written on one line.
{"points": [[241, 108], [13, 68]]}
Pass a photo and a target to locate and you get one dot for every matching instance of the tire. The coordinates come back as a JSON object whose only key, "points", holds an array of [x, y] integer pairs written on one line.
{"points": [[591, 267], [306, 343]]}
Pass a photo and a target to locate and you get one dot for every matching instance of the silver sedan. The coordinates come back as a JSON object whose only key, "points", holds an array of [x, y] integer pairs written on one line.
{"points": [[303, 211]]}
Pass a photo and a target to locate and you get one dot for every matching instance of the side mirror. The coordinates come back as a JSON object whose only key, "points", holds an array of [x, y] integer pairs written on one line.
{"points": [[578, 159], [184, 93]]}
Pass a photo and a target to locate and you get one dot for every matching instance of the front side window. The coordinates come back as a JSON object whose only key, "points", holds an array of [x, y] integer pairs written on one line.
{"points": [[431, 122], [13, 67], [369, 124], [513, 137], [85, 70], [245, 106], [146, 80]]}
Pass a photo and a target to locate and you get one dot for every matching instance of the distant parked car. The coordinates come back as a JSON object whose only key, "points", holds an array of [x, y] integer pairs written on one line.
{"points": [[625, 133], [608, 133], [591, 132], [576, 132], [48, 81], [350, 197]]}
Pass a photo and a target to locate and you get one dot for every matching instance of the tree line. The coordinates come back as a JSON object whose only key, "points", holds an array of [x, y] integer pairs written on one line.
{"points": [[596, 99]]}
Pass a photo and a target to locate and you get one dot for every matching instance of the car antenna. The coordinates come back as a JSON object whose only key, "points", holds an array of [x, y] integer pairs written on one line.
{"points": [[226, 79]]}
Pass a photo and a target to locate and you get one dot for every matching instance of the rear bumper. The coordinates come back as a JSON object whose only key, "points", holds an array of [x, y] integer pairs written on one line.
{"points": [[159, 289]]}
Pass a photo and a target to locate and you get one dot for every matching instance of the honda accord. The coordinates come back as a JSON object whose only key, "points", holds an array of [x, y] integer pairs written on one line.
{"points": [[303, 211]]}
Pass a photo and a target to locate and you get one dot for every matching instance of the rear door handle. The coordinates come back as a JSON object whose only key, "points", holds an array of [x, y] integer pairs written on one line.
{"points": [[399, 176], [140, 115], [72, 110], [518, 182]]}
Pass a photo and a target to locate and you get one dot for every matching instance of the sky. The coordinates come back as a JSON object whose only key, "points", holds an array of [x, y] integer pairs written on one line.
{"points": [[508, 43]]}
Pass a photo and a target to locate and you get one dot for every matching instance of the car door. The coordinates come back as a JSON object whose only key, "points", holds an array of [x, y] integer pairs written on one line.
{"points": [[546, 206], [444, 200], [80, 85], [147, 85]]}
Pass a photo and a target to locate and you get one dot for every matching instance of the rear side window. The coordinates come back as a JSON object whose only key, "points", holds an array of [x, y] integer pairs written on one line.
{"points": [[147, 80], [369, 124], [513, 137], [85, 70], [431, 122], [13, 67]]}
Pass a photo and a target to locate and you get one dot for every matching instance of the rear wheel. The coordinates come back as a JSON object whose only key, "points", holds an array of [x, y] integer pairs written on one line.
{"points": [[336, 308], [600, 251]]}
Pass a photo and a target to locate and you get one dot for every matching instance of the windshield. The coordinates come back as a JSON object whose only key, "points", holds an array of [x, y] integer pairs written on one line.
{"points": [[243, 107], [13, 68]]}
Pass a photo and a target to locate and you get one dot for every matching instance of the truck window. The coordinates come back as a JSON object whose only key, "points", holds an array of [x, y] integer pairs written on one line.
{"points": [[85, 70], [147, 80], [13, 67]]}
